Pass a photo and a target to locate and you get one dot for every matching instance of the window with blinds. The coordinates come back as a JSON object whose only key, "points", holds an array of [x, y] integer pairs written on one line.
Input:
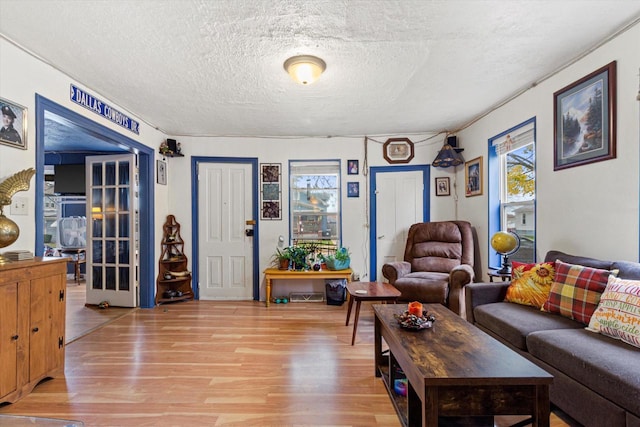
{"points": [[314, 200]]}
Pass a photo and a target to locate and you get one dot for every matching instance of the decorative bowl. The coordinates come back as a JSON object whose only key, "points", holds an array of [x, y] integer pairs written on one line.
{"points": [[413, 322]]}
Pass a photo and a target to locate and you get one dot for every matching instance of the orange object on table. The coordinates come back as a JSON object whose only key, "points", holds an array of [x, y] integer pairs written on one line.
{"points": [[415, 308]]}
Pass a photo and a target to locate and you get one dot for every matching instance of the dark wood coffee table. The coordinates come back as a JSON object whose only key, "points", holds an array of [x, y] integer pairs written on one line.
{"points": [[368, 291], [456, 370]]}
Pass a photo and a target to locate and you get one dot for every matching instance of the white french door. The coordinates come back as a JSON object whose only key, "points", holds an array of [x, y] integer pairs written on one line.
{"points": [[399, 204], [112, 230], [225, 260]]}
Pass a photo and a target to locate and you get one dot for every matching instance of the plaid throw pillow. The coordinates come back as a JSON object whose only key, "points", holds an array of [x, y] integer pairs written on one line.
{"points": [[576, 290]]}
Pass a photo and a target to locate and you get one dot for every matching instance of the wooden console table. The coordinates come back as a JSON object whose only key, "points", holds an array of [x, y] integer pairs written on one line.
{"points": [[274, 273]]}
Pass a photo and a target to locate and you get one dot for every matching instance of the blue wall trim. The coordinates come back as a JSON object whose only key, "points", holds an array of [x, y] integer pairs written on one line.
{"points": [[426, 208], [493, 214], [146, 197], [253, 161]]}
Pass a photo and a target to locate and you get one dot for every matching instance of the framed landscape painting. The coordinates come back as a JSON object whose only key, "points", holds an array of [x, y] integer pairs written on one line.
{"points": [[585, 120]]}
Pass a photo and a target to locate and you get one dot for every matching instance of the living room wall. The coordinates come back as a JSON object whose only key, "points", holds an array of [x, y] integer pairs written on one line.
{"points": [[589, 210]]}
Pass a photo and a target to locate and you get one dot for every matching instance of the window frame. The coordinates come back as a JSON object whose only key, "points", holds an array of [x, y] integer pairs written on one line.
{"points": [[293, 164], [497, 192]]}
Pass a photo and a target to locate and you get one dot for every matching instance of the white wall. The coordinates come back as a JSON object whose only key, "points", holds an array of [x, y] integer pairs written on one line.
{"points": [[272, 150], [589, 210], [22, 77]]}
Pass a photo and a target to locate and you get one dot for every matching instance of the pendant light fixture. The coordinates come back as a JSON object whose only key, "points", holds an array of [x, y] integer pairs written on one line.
{"points": [[449, 154], [305, 69]]}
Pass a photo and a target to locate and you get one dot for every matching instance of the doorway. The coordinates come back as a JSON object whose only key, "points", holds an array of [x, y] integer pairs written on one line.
{"points": [[118, 143], [399, 198], [225, 228]]}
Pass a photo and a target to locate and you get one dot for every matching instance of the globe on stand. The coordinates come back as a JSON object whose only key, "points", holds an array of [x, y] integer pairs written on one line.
{"points": [[505, 243]]}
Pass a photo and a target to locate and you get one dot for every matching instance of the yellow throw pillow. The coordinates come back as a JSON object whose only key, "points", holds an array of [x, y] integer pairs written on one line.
{"points": [[530, 283]]}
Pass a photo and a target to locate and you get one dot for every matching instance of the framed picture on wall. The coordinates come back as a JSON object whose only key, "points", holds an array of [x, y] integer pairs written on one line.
{"points": [[353, 189], [352, 167], [585, 120], [13, 129], [473, 177], [161, 172], [442, 186], [398, 150], [271, 191]]}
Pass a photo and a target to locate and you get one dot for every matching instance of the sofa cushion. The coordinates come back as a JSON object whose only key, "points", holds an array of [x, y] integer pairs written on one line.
{"points": [[607, 366], [530, 283], [575, 292], [513, 322], [424, 286], [618, 314]]}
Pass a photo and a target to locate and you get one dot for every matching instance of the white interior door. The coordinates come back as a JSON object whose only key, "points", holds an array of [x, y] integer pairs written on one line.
{"points": [[399, 204], [225, 261], [112, 233]]}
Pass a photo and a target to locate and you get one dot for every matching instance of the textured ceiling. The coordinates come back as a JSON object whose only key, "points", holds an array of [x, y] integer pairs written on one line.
{"points": [[197, 67]]}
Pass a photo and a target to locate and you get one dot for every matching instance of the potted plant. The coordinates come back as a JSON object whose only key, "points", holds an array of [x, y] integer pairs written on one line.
{"points": [[299, 257], [282, 258], [340, 260]]}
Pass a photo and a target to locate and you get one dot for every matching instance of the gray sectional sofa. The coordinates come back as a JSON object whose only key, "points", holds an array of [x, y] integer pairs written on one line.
{"points": [[596, 378]]}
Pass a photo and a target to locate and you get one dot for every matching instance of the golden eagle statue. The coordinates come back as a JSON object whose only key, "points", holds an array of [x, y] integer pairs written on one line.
{"points": [[9, 230]]}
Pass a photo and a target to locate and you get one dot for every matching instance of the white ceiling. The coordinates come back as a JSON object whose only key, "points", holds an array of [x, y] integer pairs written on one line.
{"points": [[214, 67]]}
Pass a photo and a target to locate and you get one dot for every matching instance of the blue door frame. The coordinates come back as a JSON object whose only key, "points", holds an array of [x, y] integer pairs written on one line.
{"points": [[373, 172], [146, 190], [195, 161]]}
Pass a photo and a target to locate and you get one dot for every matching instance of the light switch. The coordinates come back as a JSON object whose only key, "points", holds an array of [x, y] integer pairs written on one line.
{"points": [[19, 206]]}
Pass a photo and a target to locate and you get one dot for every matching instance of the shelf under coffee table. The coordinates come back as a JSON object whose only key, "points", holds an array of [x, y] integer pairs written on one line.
{"points": [[456, 370]]}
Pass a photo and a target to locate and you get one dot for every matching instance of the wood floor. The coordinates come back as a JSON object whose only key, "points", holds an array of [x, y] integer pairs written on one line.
{"points": [[203, 363]]}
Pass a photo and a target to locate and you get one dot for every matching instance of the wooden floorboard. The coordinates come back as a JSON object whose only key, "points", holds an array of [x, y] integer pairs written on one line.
{"points": [[204, 363]]}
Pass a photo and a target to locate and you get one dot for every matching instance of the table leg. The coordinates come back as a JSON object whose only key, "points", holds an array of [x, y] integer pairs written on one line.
{"points": [[349, 309], [268, 280], [542, 409], [355, 321], [377, 345]]}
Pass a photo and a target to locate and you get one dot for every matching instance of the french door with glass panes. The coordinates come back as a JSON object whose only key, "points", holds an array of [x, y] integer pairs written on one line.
{"points": [[112, 207]]}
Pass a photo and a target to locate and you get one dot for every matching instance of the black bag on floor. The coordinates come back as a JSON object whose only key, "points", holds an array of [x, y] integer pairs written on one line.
{"points": [[336, 291]]}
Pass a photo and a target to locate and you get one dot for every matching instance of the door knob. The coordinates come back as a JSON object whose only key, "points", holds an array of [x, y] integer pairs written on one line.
{"points": [[248, 232]]}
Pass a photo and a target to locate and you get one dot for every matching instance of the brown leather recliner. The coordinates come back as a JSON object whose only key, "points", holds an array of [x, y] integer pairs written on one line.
{"points": [[438, 263]]}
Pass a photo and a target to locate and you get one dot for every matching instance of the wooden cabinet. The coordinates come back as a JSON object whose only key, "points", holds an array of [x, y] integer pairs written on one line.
{"points": [[174, 279], [32, 324]]}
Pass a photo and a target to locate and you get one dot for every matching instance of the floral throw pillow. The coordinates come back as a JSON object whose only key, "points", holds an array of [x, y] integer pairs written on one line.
{"points": [[530, 283], [576, 290], [618, 314]]}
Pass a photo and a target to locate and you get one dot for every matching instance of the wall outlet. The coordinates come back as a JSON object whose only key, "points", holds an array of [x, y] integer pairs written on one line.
{"points": [[19, 206], [356, 277]]}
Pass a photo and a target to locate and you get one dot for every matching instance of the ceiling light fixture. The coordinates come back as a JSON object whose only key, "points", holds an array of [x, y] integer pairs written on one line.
{"points": [[305, 69]]}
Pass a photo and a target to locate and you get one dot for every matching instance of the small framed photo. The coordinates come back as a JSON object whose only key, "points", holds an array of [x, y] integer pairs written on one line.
{"points": [[161, 172], [353, 167], [353, 189], [442, 186], [585, 120], [398, 150], [473, 177], [13, 129]]}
